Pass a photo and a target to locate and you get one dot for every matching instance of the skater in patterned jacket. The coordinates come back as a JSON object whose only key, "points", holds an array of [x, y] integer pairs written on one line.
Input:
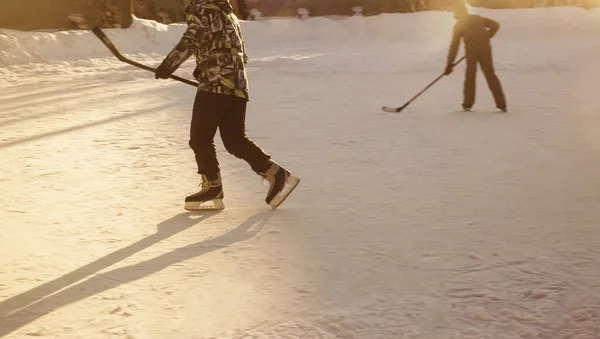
{"points": [[214, 37], [476, 31]]}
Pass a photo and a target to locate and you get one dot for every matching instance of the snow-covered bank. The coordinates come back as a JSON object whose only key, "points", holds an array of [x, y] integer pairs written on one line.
{"points": [[149, 37]]}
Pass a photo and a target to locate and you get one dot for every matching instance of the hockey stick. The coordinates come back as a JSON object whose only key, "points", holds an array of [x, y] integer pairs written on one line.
{"points": [[398, 109], [100, 34]]}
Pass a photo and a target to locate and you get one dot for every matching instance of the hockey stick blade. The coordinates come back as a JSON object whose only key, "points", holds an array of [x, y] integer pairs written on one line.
{"points": [[393, 109], [106, 41], [390, 109]]}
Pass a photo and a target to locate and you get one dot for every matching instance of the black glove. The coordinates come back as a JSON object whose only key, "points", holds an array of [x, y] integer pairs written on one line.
{"points": [[162, 72], [448, 69]]}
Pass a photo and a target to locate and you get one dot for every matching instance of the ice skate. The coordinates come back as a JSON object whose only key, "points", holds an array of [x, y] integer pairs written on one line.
{"points": [[210, 196], [281, 184]]}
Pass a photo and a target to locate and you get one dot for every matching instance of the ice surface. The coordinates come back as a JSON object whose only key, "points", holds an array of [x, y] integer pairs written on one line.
{"points": [[431, 223]]}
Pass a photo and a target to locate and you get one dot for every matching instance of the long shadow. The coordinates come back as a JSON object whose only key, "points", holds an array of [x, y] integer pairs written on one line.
{"points": [[28, 97], [165, 229], [72, 100], [31, 305], [80, 127]]}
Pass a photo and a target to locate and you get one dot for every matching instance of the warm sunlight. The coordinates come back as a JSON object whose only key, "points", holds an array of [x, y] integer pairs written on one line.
{"points": [[198, 169]]}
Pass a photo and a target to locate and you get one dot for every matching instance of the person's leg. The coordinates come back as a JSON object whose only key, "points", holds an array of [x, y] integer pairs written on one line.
{"points": [[469, 84], [207, 111], [208, 108], [487, 67], [233, 134], [232, 127]]}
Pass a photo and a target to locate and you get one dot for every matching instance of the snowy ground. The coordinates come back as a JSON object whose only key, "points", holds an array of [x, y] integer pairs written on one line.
{"points": [[432, 223]]}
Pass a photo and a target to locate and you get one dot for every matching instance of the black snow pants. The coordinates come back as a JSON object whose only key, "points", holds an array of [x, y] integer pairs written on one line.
{"points": [[483, 57], [228, 114]]}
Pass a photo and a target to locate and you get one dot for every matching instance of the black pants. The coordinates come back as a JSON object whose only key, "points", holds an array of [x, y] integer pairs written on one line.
{"points": [[483, 57], [228, 113]]}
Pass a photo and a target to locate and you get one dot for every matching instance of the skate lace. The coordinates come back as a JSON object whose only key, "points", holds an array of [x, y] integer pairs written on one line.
{"points": [[204, 185], [267, 179]]}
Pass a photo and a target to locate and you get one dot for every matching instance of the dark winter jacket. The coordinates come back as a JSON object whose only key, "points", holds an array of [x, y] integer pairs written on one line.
{"points": [[476, 32], [214, 36]]}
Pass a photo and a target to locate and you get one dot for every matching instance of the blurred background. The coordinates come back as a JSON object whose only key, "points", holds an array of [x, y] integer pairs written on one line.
{"points": [[30, 15]]}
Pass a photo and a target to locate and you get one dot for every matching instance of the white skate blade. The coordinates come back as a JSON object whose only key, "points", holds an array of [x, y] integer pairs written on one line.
{"points": [[290, 185], [211, 205]]}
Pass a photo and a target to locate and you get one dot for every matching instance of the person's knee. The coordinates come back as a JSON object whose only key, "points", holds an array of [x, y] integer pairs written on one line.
{"points": [[490, 74], [234, 144], [470, 73], [471, 67], [200, 142]]}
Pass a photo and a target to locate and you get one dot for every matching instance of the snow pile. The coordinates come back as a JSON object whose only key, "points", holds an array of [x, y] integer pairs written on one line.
{"points": [[547, 22], [143, 37], [149, 37]]}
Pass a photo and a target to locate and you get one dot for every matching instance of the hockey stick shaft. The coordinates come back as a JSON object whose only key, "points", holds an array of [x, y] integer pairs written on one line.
{"points": [[106, 41], [426, 88], [434, 81]]}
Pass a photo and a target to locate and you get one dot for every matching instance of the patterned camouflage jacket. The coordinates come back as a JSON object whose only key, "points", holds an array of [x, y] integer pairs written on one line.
{"points": [[214, 36]]}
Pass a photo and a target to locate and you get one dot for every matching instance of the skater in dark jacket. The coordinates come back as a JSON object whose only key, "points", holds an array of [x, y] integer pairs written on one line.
{"points": [[476, 31], [214, 37]]}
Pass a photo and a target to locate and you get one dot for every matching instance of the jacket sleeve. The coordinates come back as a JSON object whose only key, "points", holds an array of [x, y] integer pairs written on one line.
{"points": [[492, 26], [454, 44], [244, 54], [198, 33]]}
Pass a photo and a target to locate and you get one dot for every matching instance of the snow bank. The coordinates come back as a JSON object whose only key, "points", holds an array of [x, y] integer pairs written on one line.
{"points": [[143, 36], [547, 22], [149, 37]]}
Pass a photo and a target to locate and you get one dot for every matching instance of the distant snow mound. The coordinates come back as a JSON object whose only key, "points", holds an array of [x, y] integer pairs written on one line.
{"points": [[143, 37], [155, 39]]}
